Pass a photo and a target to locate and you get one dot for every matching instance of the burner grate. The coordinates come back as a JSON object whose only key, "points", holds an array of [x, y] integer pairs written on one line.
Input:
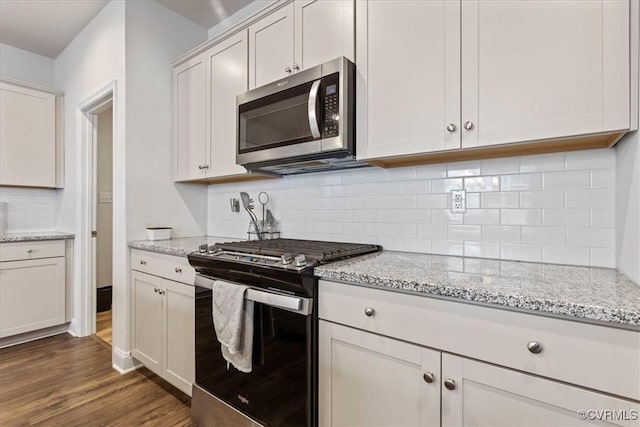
{"points": [[315, 250]]}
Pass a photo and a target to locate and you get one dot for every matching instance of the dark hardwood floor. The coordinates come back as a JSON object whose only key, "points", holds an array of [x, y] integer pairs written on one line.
{"points": [[68, 381]]}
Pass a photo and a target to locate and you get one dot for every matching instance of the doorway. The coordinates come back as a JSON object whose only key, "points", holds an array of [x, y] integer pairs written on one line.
{"points": [[103, 208]]}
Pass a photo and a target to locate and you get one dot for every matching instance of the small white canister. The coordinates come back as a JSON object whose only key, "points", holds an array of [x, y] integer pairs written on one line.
{"points": [[158, 233]]}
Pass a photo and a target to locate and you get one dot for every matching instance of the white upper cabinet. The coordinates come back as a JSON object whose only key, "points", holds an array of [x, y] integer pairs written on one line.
{"points": [[324, 31], [443, 75], [30, 147], [227, 78], [190, 119], [300, 35], [408, 80], [271, 47], [535, 70]]}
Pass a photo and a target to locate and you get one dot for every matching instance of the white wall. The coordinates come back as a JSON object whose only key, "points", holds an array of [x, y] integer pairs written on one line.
{"points": [[104, 210], [92, 61], [23, 65], [240, 15], [556, 208], [155, 37]]}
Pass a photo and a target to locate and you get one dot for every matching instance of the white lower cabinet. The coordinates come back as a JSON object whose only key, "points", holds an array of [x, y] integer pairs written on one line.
{"points": [[32, 286], [164, 328], [486, 395], [366, 379], [387, 358]]}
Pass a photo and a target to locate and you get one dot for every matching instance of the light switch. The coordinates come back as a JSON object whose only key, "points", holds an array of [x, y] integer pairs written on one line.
{"points": [[106, 197]]}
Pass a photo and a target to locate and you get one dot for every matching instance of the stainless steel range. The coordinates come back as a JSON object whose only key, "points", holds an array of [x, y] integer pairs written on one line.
{"points": [[282, 387]]}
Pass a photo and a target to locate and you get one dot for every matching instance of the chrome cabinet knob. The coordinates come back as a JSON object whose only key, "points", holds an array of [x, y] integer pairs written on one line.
{"points": [[428, 377], [205, 166], [369, 312], [200, 167], [449, 384], [155, 290], [287, 69], [451, 128], [296, 67], [29, 251], [468, 125], [534, 347], [143, 262], [178, 270]]}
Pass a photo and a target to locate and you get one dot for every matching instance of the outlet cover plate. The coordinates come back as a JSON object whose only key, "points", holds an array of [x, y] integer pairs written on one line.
{"points": [[458, 201]]}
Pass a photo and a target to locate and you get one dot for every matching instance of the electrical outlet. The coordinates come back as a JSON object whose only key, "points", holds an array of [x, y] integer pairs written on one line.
{"points": [[458, 201]]}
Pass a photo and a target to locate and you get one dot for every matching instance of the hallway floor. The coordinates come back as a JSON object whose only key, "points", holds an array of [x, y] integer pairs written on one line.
{"points": [[64, 381], [103, 326]]}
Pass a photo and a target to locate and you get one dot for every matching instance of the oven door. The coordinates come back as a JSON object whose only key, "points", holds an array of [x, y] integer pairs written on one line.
{"points": [[280, 390]]}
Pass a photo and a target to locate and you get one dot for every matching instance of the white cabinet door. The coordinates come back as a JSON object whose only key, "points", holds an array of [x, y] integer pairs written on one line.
{"points": [[147, 320], [27, 137], [32, 295], [408, 84], [542, 69], [367, 379], [189, 119], [271, 47], [178, 336], [227, 78], [487, 395], [324, 31]]}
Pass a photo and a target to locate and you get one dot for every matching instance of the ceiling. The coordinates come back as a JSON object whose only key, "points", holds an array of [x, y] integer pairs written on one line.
{"points": [[205, 13], [47, 27]]}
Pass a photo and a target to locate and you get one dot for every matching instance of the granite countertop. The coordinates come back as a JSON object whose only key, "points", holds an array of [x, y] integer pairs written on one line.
{"points": [[32, 236], [598, 295], [180, 246]]}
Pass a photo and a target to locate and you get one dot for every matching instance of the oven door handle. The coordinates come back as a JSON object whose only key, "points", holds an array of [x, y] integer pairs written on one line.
{"points": [[311, 109], [286, 302]]}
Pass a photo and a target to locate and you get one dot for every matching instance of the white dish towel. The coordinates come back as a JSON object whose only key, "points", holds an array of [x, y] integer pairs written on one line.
{"points": [[233, 322]]}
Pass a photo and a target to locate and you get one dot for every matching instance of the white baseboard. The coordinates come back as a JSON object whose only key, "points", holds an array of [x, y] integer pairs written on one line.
{"points": [[35, 335], [123, 362]]}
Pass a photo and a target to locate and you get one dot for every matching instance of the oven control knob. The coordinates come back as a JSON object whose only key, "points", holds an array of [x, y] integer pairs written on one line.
{"points": [[212, 249], [203, 248], [286, 259], [300, 260]]}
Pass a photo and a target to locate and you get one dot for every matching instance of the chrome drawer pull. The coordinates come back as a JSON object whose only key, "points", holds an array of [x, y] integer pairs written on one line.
{"points": [[428, 377], [534, 347], [450, 384], [178, 270], [143, 262], [369, 312]]}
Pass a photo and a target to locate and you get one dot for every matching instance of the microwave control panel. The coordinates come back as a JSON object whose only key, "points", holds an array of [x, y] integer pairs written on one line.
{"points": [[331, 106]]}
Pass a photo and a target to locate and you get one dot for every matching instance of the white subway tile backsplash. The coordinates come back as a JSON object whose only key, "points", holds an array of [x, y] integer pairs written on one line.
{"points": [[591, 237], [521, 216], [591, 159], [509, 215], [486, 183], [517, 252], [543, 235], [482, 216], [482, 250], [566, 180], [590, 198], [603, 257], [542, 199], [501, 233], [566, 255], [464, 232], [603, 178], [523, 182], [500, 200], [431, 231], [501, 166], [447, 247], [463, 169], [29, 209], [542, 163], [566, 217]]}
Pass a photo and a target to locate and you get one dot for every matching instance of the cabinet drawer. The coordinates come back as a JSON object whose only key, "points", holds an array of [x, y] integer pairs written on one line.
{"points": [[31, 250], [598, 357], [168, 266]]}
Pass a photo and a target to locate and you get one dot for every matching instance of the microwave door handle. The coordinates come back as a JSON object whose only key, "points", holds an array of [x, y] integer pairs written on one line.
{"points": [[311, 109]]}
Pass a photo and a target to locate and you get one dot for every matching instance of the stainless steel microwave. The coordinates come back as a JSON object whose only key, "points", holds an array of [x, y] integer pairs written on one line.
{"points": [[302, 123]]}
